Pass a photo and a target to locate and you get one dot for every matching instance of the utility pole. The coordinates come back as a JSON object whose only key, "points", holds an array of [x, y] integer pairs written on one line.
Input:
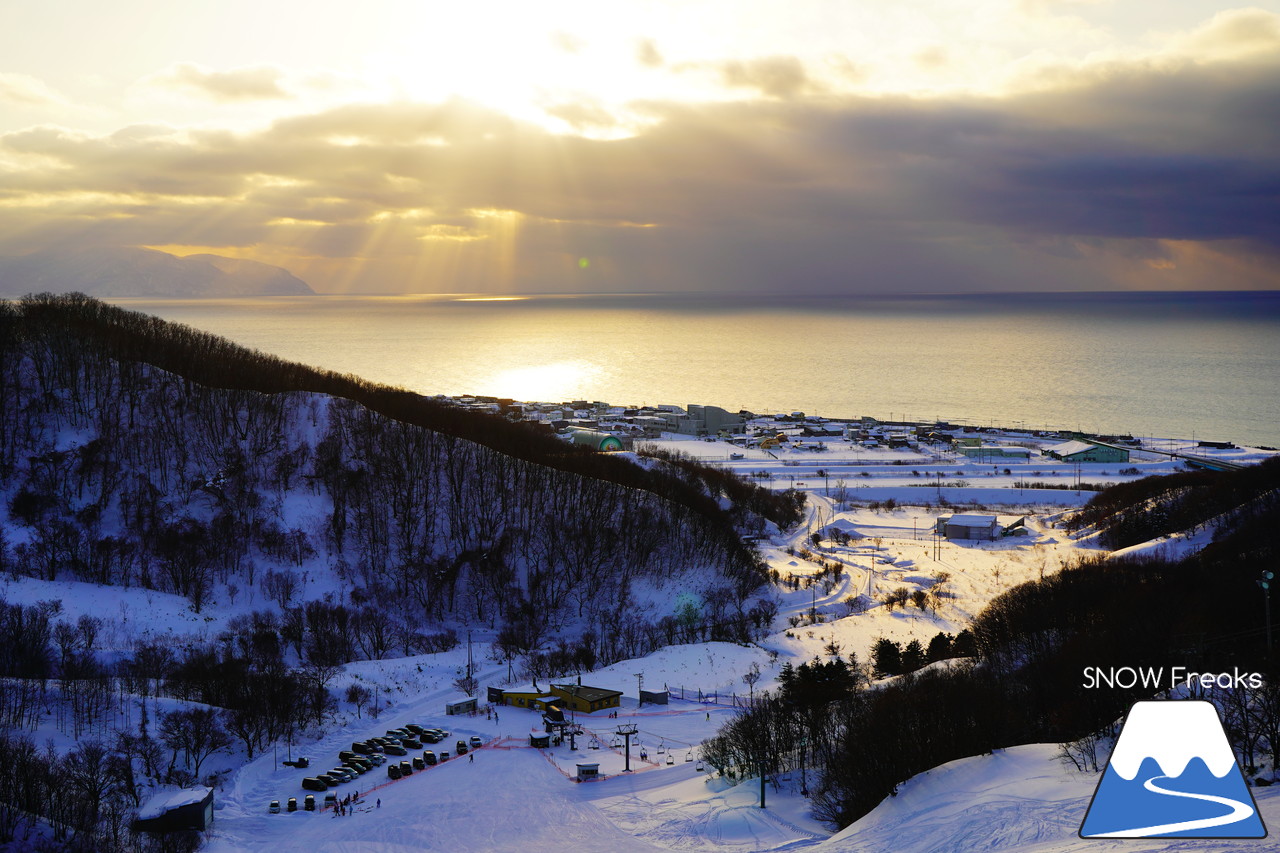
{"points": [[1265, 583], [639, 688], [627, 730], [762, 783]]}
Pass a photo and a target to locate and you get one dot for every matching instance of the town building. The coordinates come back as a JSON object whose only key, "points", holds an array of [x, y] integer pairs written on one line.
{"points": [[991, 452], [1086, 451], [702, 420]]}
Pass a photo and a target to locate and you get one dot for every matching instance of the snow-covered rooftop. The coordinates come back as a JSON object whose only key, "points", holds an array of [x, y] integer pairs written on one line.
{"points": [[167, 801]]}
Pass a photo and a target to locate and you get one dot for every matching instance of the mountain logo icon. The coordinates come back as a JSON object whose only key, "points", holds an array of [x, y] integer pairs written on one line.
{"points": [[1172, 775]]}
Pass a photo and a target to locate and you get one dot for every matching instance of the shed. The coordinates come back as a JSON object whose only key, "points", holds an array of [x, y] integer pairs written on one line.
{"points": [[175, 811], [588, 771], [461, 706], [654, 697], [969, 526], [540, 741]]}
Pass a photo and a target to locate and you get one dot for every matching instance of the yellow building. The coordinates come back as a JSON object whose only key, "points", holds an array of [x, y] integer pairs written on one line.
{"points": [[586, 700], [535, 700]]}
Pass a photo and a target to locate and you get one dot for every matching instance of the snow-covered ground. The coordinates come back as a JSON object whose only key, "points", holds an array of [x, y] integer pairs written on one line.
{"points": [[514, 797]]}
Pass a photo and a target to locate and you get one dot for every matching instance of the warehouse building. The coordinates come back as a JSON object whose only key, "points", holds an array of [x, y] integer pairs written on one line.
{"points": [[1086, 451]]}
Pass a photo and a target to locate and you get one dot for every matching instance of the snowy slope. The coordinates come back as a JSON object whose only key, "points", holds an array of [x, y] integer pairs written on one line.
{"points": [[1020, 800]]}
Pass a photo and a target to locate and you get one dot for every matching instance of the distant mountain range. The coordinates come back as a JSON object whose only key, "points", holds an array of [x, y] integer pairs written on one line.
{"points": [[126, 271]]}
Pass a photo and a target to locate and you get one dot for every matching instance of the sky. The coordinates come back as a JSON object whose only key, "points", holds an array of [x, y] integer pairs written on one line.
{"points": [[841, 146]]}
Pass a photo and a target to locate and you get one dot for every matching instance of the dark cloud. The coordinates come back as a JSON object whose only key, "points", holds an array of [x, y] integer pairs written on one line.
{"points": [[1134, 176]]}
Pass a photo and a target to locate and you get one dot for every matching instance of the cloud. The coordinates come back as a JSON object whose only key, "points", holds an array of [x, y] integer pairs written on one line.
{"points": [[776, 76], [1140, 176], [23, 90], [647, 54], [1231, 34], [254, 83], [567, 42]]}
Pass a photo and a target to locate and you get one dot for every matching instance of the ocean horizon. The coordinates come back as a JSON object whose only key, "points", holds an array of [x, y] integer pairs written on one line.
{"points": [[1150, 364]]}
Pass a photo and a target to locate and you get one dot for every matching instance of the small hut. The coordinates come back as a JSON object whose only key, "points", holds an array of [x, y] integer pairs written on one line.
{"points": [[174, 811]]}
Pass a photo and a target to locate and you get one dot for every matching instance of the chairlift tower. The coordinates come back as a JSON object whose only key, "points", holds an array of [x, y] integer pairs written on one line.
{"points": [[626, 730]]}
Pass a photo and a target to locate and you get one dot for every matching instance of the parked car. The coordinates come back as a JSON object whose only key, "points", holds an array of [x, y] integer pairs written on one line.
{"points": [[462, 747], [394, 749], [314, 783], [342, 774], [393, 771], [274, 808], [330, 800], [361, 748], [406, 768], [444, 756], [435, 735], [345, 755], [476, 742], [292, 805], [429, 757], [415, 728], [378, 759], [411, 743], [309, 802], [418, 763], [328, 780]]}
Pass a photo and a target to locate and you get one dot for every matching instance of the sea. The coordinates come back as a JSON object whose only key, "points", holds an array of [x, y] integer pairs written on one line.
{"points": [[1157, 365]]}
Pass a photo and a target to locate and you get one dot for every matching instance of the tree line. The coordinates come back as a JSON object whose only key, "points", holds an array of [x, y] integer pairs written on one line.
{"points": [[187, 455]]}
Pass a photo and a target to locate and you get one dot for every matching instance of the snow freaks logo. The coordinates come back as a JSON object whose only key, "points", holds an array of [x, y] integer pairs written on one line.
{"points": [[1172, 775]]}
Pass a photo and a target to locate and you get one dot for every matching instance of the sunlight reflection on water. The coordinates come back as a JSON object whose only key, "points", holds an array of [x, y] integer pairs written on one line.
{"points": [[1184, 367]]}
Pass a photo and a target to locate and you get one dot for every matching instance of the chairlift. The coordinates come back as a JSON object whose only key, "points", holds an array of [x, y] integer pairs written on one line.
{"points": [[595, 744], [688, 756], [662, 747], [700, 766], [671, 758], [616, 743]]}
